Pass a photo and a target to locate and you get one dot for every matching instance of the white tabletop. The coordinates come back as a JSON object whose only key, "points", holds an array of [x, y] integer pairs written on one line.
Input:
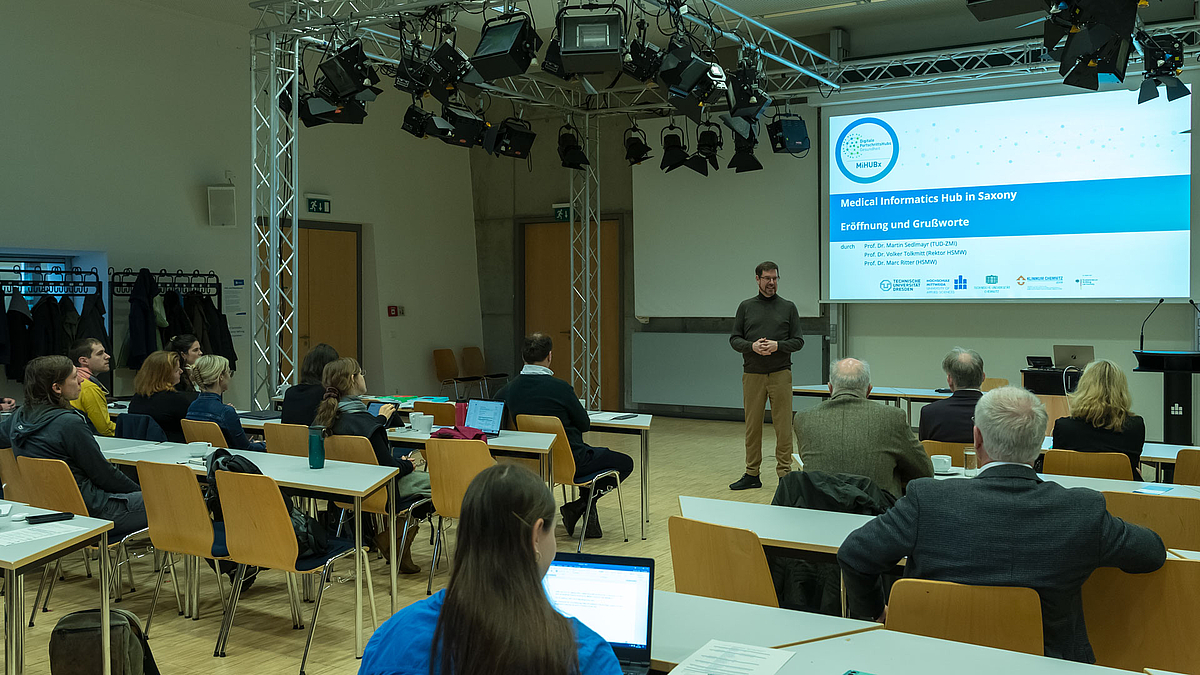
{"points": [[877, 392], [1151, 452], [17, 556], [342, 478], [1098, 484], [638, 421], [1186, 555], [512, 441], [684, 623], [782, 526], [884, 652]]}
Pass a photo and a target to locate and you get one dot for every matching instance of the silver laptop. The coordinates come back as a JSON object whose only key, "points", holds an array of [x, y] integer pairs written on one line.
{"points": [[485, 416], [1073, 355], [612, 595]]}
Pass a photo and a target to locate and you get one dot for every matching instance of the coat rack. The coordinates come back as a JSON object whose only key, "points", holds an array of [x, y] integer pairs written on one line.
{"points": [[207, 284], [75, 282]]}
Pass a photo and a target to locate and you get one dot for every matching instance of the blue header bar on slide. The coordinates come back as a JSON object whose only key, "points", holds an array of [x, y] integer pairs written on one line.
{"points": [[1147, 204]]}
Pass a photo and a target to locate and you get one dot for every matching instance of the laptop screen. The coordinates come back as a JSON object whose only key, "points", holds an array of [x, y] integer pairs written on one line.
{"points": [[485, 415], [609, 594]]}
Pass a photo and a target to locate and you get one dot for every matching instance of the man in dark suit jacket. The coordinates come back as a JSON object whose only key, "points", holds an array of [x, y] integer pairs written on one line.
{"points": [[1005, 527], [949, 419], [851, 434]]}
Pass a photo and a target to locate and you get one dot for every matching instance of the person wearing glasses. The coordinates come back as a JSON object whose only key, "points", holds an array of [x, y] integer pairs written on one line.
{"points": [[766, 330]]}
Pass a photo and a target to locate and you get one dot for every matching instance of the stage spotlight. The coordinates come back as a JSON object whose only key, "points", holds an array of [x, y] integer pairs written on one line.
{"points": [[709, 142], [592, 42], [743, 152], [636, 149], [511, 138], [507, 45], [1098, 39], [788, 133], [749, 101], [1162, 58], [316, 110], [466, 128], [692, 82], [416, 120], [569, 149], [675, 152], [644, 59], [552, 61], [439, 128], [450, 68], [347, 74], [413, 76]]}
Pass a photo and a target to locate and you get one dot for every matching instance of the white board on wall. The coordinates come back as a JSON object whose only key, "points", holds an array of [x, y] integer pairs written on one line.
{"points": [[697, 239]]}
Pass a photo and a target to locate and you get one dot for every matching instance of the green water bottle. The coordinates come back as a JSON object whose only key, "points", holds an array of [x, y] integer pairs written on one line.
{"points": [[316, 447]]}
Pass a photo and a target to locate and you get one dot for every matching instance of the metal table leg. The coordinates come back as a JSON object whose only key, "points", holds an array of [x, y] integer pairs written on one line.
{"points": [[358, 572], [645, 434], [392, 528], [105, 629], [14, 613]]}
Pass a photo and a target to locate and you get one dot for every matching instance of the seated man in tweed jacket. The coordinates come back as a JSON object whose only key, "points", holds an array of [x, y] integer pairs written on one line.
{"points": [[850, 434], [1004, 527]]}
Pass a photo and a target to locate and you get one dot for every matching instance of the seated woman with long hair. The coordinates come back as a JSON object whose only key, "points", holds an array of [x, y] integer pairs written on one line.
{"points": [[154, 393], [1101, 418], [187, 346], [300, 401], [212, 375], [493, 616]]}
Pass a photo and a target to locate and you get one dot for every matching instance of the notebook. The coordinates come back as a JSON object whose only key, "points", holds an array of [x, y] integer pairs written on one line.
{"points": [[485, 416], [612, 595]]}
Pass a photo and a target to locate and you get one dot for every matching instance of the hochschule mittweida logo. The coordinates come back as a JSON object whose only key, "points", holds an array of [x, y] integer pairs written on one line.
{"points": [[867, 150]]}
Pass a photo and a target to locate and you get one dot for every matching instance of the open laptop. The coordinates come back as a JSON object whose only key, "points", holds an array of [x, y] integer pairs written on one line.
{"points": [[485, 416], [612, 595], [1073, 355]]}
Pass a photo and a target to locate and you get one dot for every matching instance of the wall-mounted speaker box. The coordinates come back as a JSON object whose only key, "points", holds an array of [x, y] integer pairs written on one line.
{"points": [[222, 206]]}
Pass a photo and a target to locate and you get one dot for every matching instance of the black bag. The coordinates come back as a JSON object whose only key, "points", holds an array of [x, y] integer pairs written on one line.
{"points": [[310, 536], [75, 645]]}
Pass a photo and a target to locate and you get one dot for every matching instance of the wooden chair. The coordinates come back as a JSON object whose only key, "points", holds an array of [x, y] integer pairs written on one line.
{"points": [[443, 413], [258, 531], [1187, 467], [955, 450], [564, 467], [1175, 519], [474, 365], [715, 561], [1137, 621], [990, 383], [197, 431], [446, 368], [452, 465], [286, 439], [1113, 465], [180, 524], [1003, 617], [10, 476]]}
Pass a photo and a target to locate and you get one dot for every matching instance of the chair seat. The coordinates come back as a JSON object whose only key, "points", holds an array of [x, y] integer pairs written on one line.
{"points": [[219, 549], [468, 378], [496, 375], [586, 480], [337, 546]]}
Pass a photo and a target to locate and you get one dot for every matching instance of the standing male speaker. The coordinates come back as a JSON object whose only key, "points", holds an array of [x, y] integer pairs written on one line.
{"points": [[766, 330]]}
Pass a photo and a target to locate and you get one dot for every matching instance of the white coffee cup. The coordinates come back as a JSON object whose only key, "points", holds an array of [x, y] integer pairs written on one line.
{"points": [[941, 463], [198, 448], [421, 423]]}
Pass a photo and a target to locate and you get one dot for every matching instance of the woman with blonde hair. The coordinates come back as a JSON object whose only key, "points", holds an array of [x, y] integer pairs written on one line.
{"points": [[1101, 417], [212, 375], [154, 393]]}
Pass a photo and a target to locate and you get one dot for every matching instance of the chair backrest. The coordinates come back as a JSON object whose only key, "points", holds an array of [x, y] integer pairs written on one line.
{"points": [[258, 528], [357, 449], [452, 464], [474, 364], [175, 509], [1187, 466], [11, 478], [955, 450], [443, 413], [990, 383], [202, 431], [1137, 621], [444, 364], [564, 460], [1175, 519], [721, 562], [1112, 465], [1004, 617], [51, 485], [286, 439]]}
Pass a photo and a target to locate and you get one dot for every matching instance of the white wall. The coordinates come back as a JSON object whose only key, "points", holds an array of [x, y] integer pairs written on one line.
{"points": [[117, 116]]}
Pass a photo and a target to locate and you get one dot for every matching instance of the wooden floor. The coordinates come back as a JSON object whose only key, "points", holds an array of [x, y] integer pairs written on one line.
{"points": [[688, 457]]}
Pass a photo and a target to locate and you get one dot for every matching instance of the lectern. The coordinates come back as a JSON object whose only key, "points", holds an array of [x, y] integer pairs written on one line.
{"points": [[1177, 369]]}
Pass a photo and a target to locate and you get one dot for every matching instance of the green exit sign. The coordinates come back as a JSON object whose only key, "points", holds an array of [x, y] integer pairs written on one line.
{"points": [[562, 213], [319, 204]]}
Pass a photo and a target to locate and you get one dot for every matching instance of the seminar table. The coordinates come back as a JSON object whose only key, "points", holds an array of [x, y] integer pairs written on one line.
{"points": [[1100, 484], [784, 527], [1157, 454], [890, 394], [629, 423], [684, 623], [347, 479], [17, 558], [885, 652]]}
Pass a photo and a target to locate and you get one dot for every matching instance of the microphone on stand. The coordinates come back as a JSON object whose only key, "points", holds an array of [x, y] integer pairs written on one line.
{"points": [[1193, 304], [1142, 339]]}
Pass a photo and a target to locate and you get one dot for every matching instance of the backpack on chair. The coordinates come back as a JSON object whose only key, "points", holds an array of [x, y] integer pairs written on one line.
{"points": [[75, 645]]}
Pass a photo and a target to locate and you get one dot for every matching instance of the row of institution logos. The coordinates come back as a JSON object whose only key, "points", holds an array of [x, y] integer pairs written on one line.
{"points": [[991, 282]]}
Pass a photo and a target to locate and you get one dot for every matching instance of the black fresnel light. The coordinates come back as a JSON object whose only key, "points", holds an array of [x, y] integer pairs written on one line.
{"points": [[636, 149]]}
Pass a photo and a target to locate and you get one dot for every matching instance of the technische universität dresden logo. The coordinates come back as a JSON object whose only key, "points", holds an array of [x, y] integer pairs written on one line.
{"points": [[867, 150]]}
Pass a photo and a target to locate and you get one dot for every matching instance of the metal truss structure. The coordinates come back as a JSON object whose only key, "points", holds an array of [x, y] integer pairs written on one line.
{"points": [[585, 265]]}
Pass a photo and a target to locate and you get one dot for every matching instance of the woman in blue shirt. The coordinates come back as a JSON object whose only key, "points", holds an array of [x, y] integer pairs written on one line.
{"points": [[493, 616], [211, 375]]}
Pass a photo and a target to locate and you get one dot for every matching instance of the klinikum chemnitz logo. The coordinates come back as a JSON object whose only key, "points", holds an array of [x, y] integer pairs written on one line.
{"points": [[867, 150]]}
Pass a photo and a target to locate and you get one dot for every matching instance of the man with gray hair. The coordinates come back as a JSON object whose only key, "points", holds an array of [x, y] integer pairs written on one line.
{"points": [[949, 419], [850, 434], [1004, 527]]}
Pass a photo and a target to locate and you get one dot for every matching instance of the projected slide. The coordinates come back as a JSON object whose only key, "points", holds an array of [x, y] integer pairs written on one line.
{"points": [[1067, 197]]}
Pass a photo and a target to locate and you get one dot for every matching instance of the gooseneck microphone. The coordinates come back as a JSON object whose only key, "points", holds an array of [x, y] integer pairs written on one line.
{"points": [[1193, 304], [1142, 338]]}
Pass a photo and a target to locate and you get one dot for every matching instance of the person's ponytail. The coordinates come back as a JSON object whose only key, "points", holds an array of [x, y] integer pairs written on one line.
{"points": [[338, 380]]}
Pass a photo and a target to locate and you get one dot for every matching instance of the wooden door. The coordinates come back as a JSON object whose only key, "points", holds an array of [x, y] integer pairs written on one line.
{"points": [[548, 299], [328, 296]]}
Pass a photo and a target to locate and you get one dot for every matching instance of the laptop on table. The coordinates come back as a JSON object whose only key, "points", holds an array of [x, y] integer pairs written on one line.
{"points": [[612, 595], [485, 416], [1073, 355]]}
